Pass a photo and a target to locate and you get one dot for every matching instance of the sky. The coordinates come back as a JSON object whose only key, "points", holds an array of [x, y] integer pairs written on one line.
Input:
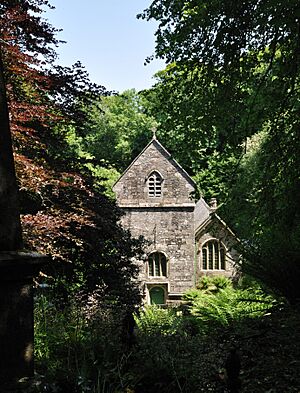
{"points": [[108, 39]]}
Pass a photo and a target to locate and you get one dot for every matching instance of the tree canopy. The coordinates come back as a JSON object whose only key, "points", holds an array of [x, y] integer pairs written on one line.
{"points": [[238, 63], [238, 46], [62, 213]]}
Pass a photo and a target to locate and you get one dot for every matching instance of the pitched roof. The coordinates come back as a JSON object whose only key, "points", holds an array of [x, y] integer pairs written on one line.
{"points": [[154, 141], [213, 216], [202, 212]]}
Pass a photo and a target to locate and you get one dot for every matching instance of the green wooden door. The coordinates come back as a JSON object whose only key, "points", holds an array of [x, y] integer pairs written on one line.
{"points": [[157, 295]]}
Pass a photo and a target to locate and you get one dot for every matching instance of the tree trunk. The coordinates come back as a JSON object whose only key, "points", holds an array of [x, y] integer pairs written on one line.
{"points": [[10, 226]]}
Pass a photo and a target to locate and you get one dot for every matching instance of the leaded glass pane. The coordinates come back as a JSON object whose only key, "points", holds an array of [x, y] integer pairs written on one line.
{"points": [[157, 268], [204, 259], [154, 185], [210, 255], [222, 256], [213, 256], [151, 267], [157, 265], [216, 256], [163, 265]]}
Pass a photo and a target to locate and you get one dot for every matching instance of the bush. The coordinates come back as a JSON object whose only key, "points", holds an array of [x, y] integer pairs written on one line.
{"points": [[153, 320], [79, 348], [213, 284], [230, 305]]}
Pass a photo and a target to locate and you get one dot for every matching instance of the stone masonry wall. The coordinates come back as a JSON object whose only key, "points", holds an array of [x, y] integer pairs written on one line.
{"points": [[169, 230], [167, 222], [215, 230]]}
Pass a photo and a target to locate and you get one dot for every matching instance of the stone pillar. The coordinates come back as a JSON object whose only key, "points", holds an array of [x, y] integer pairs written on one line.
{"points": [[16, 313]]}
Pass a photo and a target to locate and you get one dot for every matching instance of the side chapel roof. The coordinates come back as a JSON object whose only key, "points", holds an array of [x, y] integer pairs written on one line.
{"points": [[205, 215]]}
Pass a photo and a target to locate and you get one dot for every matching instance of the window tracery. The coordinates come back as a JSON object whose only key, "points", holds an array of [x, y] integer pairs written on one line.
{"points": [[213, 255], [155, 185], [157, 265]]}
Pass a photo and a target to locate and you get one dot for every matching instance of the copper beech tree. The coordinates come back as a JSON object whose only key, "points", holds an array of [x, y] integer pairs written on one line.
{"points": [[62, 215]]}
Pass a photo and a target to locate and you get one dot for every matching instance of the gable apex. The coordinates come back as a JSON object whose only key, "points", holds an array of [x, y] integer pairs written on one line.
{"points": [[164, 152], [213, 216]]}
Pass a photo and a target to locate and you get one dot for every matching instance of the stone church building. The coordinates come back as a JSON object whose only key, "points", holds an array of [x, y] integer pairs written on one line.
{"points": [[185, 239]]}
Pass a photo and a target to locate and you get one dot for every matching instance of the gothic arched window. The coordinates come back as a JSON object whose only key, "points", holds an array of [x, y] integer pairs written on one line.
{"points": [[155, 184], [213, 256], [157, 264]]}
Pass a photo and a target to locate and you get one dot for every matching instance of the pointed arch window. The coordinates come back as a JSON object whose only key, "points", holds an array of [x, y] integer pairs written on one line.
{"points": [[213, 256], [157, 265], [155, 185]]}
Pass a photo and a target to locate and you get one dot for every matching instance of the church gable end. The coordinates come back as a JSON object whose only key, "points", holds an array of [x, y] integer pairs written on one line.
{"points": [[154, 178], [216, 248]]}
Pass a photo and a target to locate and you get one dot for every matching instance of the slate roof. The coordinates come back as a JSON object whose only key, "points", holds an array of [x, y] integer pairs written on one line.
{"points": [[202, 212]]}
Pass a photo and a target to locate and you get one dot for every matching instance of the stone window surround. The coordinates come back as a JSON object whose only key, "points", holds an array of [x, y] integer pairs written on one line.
{"points": [[221, 246], [157, 277], [158, 184]]}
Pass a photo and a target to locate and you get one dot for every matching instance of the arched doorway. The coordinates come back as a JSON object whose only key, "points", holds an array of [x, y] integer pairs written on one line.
{"points": [[157, 295]]}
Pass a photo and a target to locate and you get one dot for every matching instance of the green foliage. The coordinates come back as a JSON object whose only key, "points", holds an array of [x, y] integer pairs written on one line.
{"points": [[230, 305], [104, 177], [166, 348], [164, 364], [115, 131], [235, 69], [217, 302], [84, 339], [118, 133], [267, 194], [192, 128], [155, 320], [169, 341], [213, 284], [207, 285]]}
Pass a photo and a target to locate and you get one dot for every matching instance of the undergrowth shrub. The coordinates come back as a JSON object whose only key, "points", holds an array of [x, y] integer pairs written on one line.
{"points": [[171, 356], [217, 302], [230, 305], [213, 284], [154, 320], [182, 349], [79, 348]]}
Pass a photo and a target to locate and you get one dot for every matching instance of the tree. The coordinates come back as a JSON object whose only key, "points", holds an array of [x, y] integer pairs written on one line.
{"points": [[250, 52], [23, 36], [114, 131], [120, 131], [62, 214], [268, 217], [10, 228], [192, 130], [20, 35], [38, 91], [234, 41]]}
